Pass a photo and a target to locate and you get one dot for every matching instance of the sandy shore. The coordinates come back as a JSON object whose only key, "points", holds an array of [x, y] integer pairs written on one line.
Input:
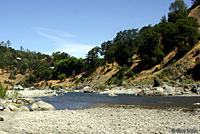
{"points": [[98, 120]]}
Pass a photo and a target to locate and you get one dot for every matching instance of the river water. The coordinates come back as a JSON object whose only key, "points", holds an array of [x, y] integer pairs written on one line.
{"points": [[74, 100]]}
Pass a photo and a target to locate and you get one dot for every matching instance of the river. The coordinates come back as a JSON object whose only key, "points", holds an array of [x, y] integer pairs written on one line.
{"points": [[76, 100]]}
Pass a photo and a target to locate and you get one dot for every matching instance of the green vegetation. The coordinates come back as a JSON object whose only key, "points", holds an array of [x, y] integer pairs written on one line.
{"points": [[8, 82], [118, 77], [61, 77], [3, 91]]}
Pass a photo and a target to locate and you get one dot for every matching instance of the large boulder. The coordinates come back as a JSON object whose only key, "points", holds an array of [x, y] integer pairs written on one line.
{"points": [[88, 89], [169, 90], [54, 94], [41, 106], [155, 91], [158, 91]]}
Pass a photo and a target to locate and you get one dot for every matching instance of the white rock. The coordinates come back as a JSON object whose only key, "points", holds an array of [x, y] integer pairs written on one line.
{"points": [[169, 90], [41, 106], [159, 89], [34, 107], [196, 104], [112, 94], [54, 94], [12, 108], [1, 108]]}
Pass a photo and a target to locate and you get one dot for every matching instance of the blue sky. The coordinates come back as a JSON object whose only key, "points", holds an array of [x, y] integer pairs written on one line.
{"points": [[74, 26]]}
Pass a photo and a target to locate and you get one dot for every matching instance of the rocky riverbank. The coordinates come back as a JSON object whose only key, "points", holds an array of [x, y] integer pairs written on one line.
{"points": [[143, 90], [99, 120]]}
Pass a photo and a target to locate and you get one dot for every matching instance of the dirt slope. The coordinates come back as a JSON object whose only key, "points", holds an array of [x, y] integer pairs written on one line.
{"points": [[4, 76], [195, 13]]}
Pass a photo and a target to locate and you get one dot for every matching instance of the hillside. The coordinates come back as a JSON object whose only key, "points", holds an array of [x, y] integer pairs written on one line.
{"points": [[180, 70], [170, 69], [168, 50]]}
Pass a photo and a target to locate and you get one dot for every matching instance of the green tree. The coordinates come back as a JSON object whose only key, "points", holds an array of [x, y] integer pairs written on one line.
{"points": [[109, 54], [188, 34], [8, 43], [42, 71], [178, 9], [126, 46], [168, 32], [163, 20], [178, 5], [70, 66], [151, 49], [59, 56], [104, 47], [92, 58]]}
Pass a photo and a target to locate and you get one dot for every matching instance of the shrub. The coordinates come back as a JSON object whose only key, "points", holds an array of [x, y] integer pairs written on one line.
{"points": [[8, 82], [3, 91], [12, 77], [61, 77], [102, 87], [50, 85], [80, 80], [46, 84], [164, 74], [130, 74], [31, 79]]}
